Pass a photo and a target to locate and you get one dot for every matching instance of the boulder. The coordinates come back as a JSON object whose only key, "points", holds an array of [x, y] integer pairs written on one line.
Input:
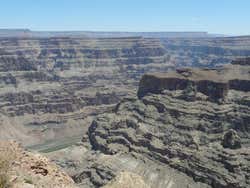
{"points": [[231, 140]]}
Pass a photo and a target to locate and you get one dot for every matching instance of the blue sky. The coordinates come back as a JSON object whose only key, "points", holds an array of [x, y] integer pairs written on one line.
{"points": [[214, 16]]}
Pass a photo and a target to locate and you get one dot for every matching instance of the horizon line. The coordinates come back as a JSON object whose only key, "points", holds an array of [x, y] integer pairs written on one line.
{"points": [[123, 31]]}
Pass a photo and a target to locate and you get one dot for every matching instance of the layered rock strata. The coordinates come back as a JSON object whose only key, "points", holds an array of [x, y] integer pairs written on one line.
{"points": [[214, 83], [202, 138], [50, 85]]}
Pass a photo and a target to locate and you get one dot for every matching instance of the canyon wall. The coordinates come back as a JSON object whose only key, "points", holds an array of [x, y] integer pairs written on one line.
{"points": [[52, 87], [189, 130]]}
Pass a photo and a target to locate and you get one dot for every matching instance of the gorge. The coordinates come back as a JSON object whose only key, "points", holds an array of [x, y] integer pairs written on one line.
{"points": [[165, 112]]}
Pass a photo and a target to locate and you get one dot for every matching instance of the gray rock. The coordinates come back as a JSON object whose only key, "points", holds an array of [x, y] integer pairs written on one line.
{"points": [[183, 134], [231, 140]]}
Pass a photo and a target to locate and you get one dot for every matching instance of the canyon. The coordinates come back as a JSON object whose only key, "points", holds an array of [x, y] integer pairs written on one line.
{"points": [[52, 87], [175, 134], [168, 112]]}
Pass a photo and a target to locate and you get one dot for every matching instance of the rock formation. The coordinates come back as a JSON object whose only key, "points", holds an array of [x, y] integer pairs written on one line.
{"points": [[52, 86], [202, 138], [30, 170], [214, 83], [231, 140]]}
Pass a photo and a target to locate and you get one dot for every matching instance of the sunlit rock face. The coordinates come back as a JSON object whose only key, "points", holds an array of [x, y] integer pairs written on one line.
{"points": [[199, 131], [49, 86], [214, 83]]}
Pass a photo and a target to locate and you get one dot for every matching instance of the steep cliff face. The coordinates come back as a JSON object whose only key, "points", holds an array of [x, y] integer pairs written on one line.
{"points": [[49, 86], [213, 83], [176, 124]]}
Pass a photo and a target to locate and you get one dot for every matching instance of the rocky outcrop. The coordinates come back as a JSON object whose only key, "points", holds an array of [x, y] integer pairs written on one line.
{"points": [[214, 90], [206, 140], [231, 140], [31, 170], [214, 83], [98, 175]]}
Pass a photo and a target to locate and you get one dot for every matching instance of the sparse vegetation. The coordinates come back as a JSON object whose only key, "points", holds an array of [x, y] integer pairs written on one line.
{"points": [[6, 158]]}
